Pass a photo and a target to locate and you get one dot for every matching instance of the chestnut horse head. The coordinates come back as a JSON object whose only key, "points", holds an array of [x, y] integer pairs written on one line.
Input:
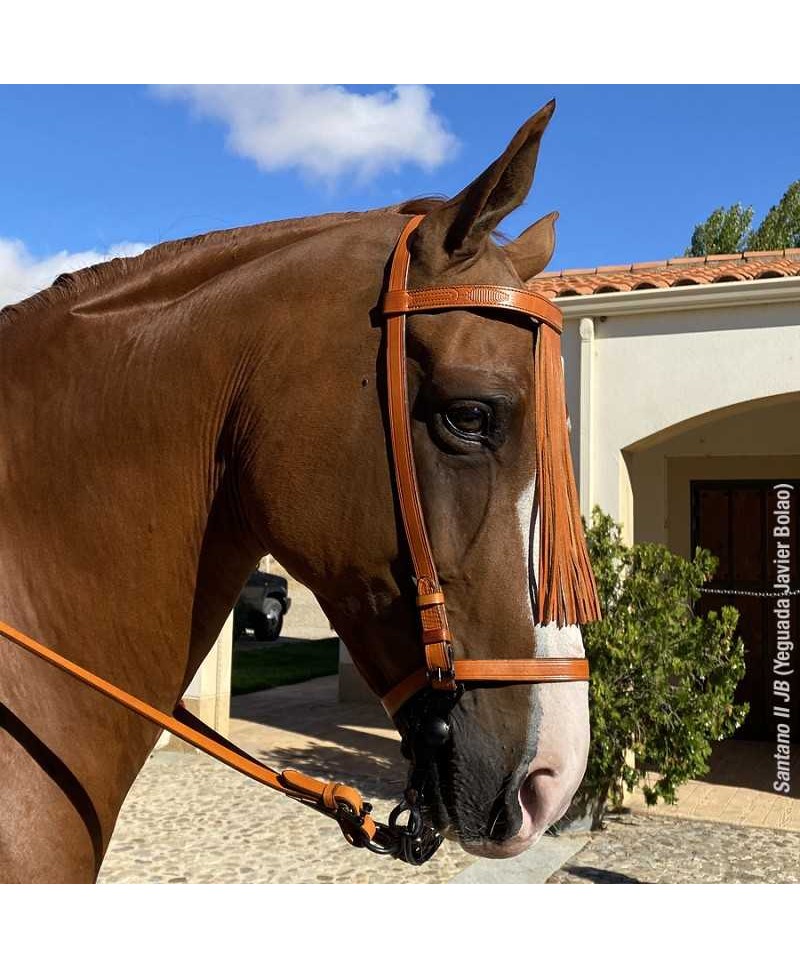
{"points": [[168, 419]]}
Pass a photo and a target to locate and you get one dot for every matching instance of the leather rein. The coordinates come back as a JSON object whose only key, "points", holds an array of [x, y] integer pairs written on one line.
{"points": [[432, 690]]}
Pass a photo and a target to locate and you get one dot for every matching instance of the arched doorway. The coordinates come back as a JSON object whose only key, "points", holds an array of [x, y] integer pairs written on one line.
{"points": [[729, 481]]}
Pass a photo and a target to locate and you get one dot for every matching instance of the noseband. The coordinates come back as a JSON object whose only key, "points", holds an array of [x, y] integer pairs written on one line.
{"points": [[565, 589]]}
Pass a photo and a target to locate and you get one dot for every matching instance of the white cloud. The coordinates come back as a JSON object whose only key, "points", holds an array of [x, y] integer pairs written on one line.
{"points": [[22, 274], [324, 130]]}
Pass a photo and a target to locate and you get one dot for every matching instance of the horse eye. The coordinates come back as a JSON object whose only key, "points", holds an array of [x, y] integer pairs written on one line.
{"points": [[472, 421]]}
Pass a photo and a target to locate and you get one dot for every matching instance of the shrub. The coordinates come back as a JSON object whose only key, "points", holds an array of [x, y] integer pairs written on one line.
{"points": [[663, 677]]}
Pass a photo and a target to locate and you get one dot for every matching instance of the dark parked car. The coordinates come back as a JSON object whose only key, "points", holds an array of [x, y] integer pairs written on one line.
{"points": [[262, 603]]}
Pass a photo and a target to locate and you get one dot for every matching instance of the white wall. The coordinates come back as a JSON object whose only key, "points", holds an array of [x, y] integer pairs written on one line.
{"points": [[657, 366]]}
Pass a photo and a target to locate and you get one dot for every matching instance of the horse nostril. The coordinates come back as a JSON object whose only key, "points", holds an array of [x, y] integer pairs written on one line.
{"points": [[544, 795], [504, 817], [497, 829]]}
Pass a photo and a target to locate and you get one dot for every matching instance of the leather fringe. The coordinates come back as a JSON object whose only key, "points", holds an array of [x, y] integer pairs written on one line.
{"points": [[566, 592]]}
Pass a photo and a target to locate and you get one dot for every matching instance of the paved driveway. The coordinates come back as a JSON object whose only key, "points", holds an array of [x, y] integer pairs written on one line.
{"points": [[638, 849]]}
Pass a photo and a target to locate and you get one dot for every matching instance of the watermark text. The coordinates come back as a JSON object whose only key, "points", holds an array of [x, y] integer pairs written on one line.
{"points": [[782, 660]]}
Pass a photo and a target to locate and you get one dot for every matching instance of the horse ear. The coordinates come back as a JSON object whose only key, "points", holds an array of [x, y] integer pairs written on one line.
{"points": [[531, 252], [458, 229]]}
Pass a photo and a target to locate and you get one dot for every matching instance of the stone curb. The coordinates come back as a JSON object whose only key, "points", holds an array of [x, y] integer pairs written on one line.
{"points": [[534, 866]]}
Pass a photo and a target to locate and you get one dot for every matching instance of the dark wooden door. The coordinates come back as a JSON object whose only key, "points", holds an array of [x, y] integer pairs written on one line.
{"points": [[734, 520]]}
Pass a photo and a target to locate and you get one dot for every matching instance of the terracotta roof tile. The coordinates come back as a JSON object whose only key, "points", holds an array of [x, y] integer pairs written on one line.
{"points": [[668, 273], [722, 257], [687, 260], [767, 252]]}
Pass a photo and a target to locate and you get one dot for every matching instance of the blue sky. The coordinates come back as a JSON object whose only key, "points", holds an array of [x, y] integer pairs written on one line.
{"points": [[630, 168]]}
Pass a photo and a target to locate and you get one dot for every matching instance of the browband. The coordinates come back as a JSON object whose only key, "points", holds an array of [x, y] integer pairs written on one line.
{"points": [[474, 297]]}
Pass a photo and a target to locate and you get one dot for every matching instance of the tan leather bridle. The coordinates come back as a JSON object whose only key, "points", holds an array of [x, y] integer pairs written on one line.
{"points": [[442, 671], [574, 598]]}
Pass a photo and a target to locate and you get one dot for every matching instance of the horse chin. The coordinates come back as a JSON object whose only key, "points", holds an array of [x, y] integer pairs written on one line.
{"points": [[499, 850]]}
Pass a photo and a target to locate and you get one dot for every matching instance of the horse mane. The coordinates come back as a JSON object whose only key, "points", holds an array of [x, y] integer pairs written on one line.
{"points": [[250, 242], [422, 205]]}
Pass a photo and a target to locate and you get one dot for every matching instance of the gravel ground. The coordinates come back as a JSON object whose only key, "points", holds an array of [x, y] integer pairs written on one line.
{"points": [[636, 849]]}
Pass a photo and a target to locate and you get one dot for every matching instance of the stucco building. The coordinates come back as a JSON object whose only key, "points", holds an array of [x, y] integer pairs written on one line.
{"points": [[683, 385]]}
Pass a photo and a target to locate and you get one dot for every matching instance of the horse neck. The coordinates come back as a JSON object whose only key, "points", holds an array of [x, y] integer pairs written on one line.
{"points": [[119, 544], [125, 414], [132, 406]]}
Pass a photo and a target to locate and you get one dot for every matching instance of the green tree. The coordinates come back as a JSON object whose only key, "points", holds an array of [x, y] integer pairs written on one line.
{"points": [[725, 230], [781, 226], [663, 677], [728, 229]]}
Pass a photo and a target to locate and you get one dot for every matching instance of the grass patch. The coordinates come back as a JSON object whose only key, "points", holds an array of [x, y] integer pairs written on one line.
{"points": [[282, 665]]}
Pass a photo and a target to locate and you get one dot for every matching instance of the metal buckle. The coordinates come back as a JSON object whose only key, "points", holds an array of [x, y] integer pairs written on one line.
{"points": [[442, 679], [351, 823]]}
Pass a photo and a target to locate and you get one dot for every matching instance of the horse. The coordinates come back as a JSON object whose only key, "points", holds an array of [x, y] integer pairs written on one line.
{"points": [[168, 419]]}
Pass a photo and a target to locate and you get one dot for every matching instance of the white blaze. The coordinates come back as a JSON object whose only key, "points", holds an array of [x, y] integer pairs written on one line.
{"points": [[559, 725]]}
